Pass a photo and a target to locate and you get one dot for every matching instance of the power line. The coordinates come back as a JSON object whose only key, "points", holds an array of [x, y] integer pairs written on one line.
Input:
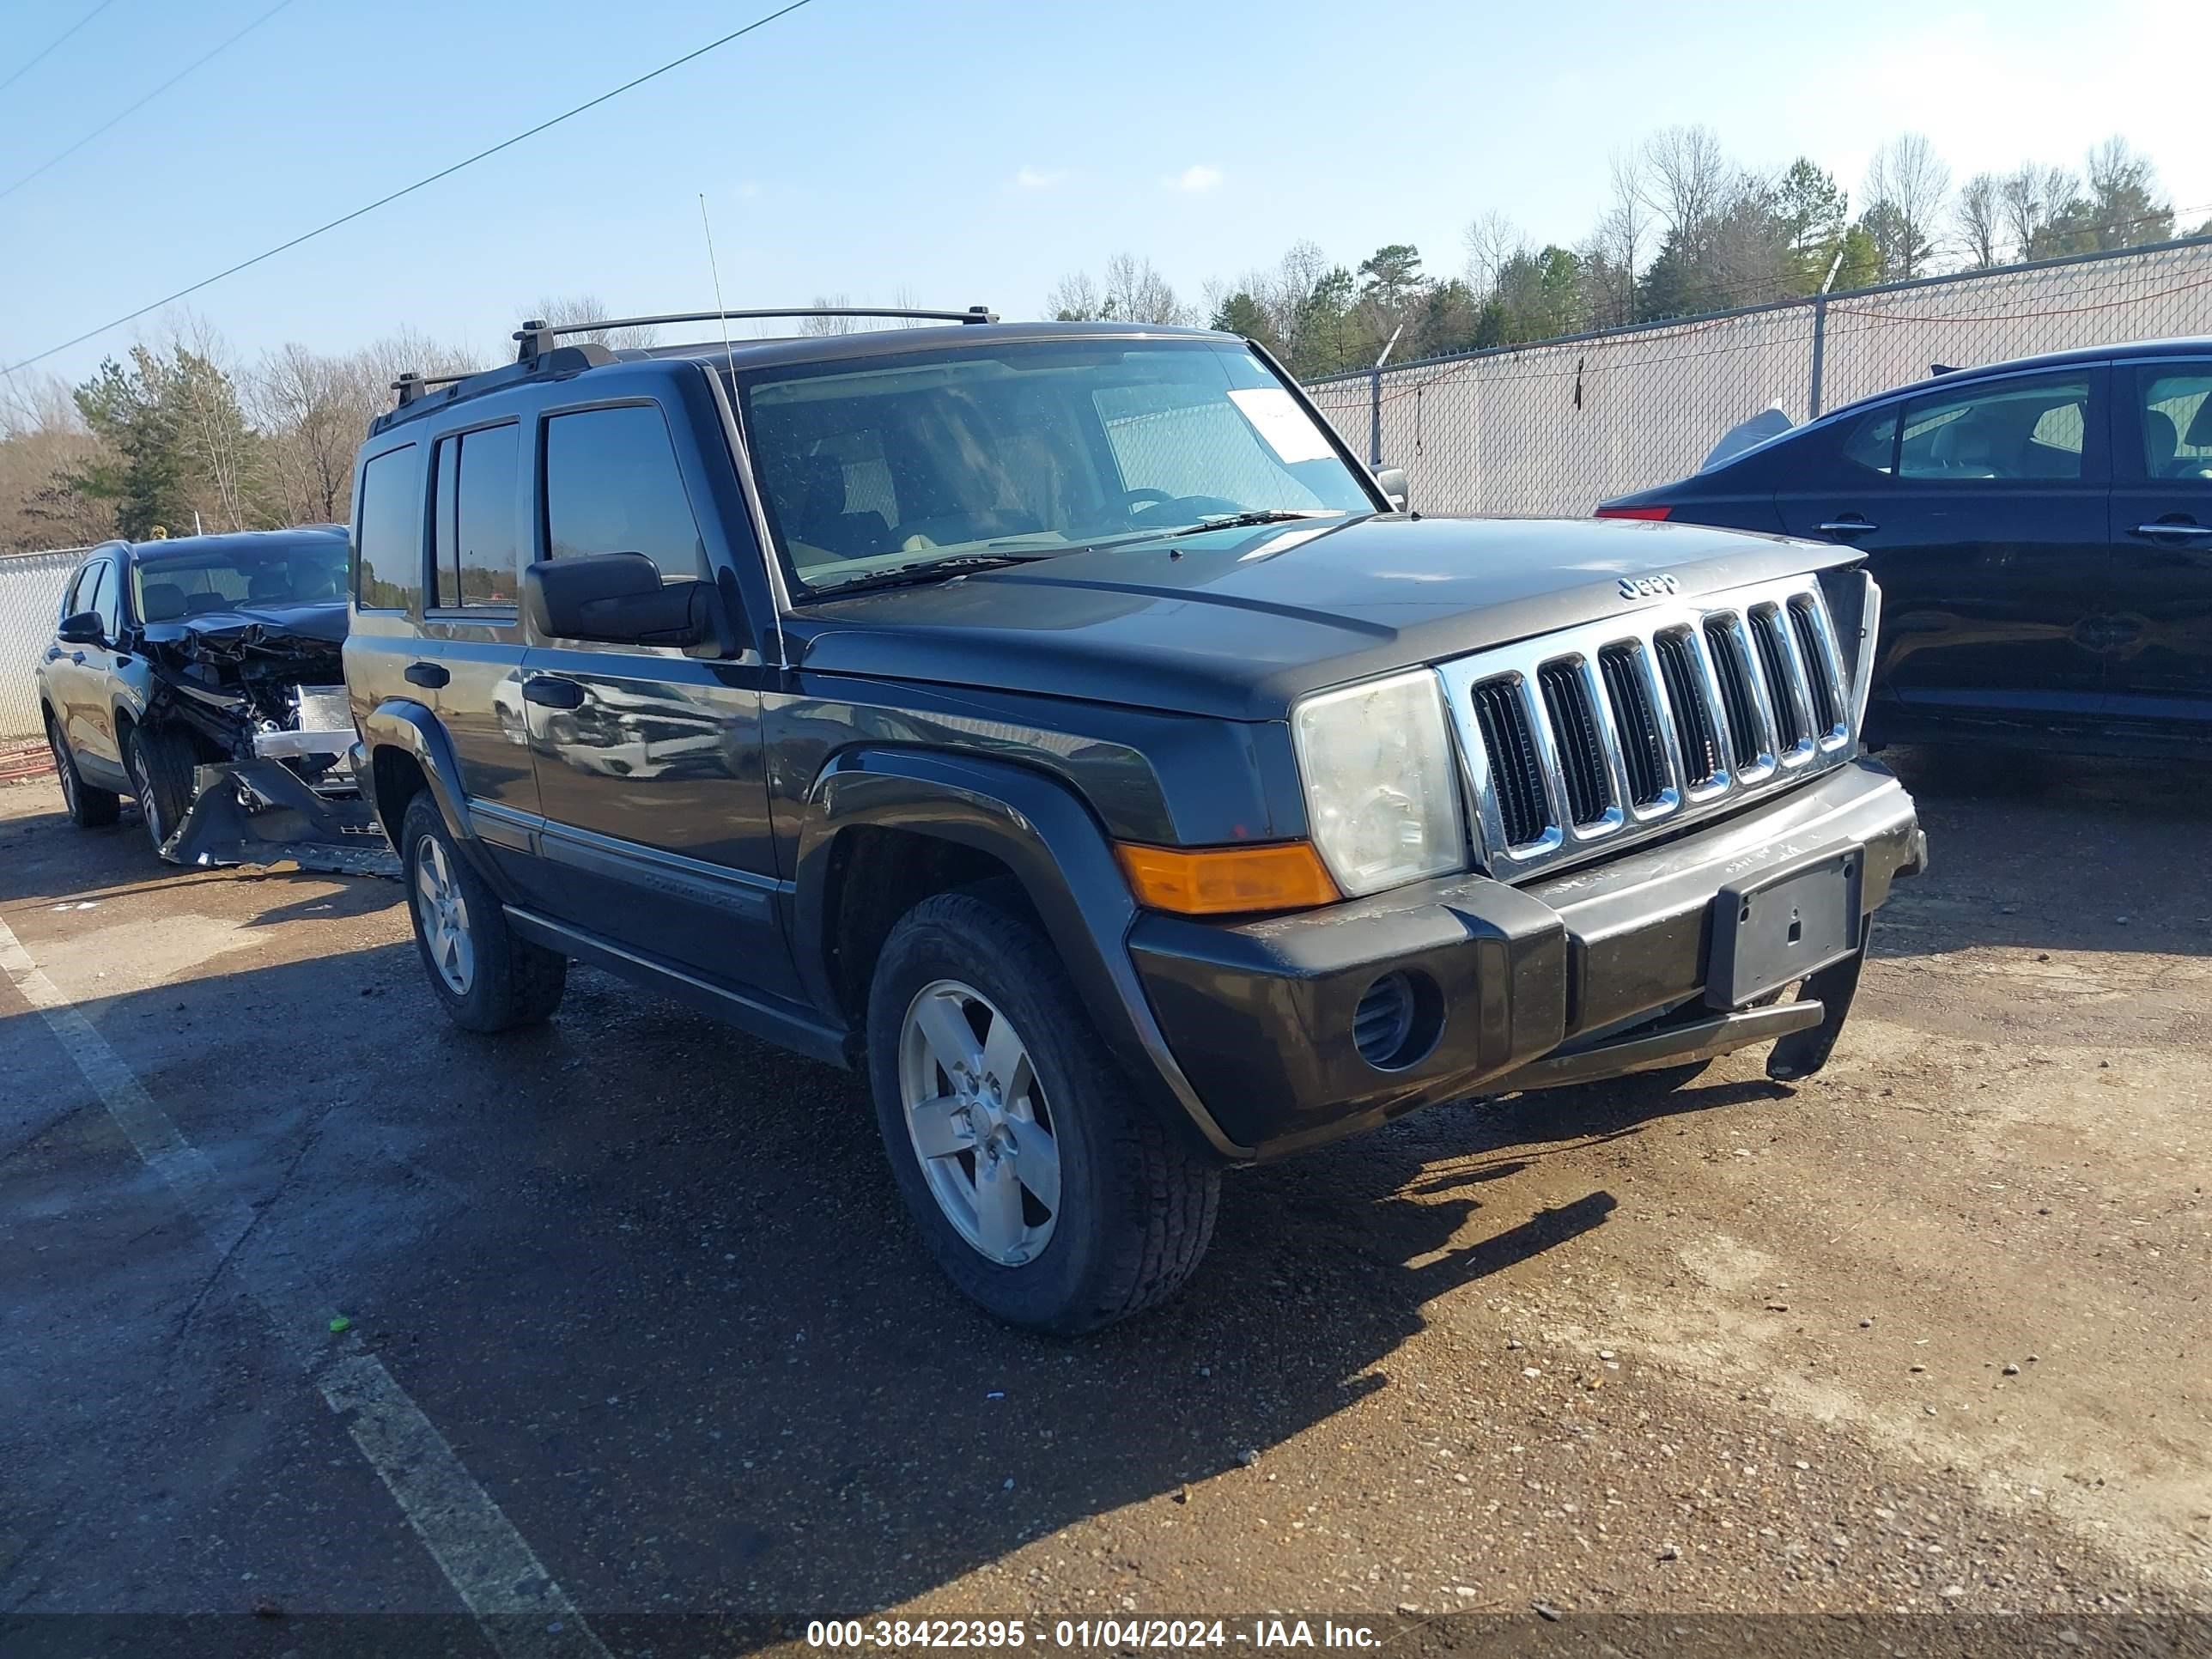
{"points": [[53, 162], [409, 190], [42, 58]]}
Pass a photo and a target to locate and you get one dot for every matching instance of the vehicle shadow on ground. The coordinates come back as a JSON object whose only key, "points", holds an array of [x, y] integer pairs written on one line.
{"points": [[652, 1280], [44, 859], [2054, 851]]}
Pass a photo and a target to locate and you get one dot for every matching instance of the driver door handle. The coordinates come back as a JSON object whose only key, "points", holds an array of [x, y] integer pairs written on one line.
{"points": [[427, 674], [549, 691], [2167, 531], [1853, 525]]}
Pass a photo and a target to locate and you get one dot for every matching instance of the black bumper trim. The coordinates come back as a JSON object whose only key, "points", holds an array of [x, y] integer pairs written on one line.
{"points": [[1259, 1014]]}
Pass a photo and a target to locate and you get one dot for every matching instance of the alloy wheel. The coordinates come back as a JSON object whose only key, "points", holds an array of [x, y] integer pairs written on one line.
{"points": [[142, 775], [980, 1122], [64, 767], [444, 915]]}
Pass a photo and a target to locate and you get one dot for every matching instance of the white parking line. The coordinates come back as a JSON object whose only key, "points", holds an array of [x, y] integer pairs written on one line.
{"points": [[522, 1612]]}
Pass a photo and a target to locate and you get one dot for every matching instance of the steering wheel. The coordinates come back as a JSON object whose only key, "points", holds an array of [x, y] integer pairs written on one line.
{"points": [[1133, 499]]}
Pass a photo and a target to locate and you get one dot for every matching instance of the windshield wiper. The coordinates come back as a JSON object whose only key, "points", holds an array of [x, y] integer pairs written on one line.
{"points": [[925, 570], [1258, 515]]}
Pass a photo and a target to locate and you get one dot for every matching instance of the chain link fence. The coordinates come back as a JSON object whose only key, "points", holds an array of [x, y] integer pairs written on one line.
{"points": [[30, 604], [1552, 429]]}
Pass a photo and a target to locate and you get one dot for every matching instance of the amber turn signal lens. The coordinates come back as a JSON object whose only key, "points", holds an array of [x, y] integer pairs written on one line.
{"points": [[1222, 881]]}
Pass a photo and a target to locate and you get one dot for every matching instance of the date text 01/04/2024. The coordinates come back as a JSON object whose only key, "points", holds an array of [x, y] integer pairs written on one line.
{"points": [[1005, 1634]]}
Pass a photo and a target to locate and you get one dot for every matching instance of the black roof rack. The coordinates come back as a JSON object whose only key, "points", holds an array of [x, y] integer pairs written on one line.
{"points": [[535, 337]]}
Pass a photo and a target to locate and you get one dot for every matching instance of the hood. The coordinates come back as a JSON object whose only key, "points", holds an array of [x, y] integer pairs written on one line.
{"points": [[1239, 624], [296, 641], [324, 623]]}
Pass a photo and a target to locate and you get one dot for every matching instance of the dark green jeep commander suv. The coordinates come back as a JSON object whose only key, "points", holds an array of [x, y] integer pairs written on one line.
{"points": [[1058, 721]]}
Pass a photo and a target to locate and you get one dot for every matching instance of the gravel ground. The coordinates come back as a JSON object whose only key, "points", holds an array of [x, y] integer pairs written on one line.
{"points": [[1927, 1333]]}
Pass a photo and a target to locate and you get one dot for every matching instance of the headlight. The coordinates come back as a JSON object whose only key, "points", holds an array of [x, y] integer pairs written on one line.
{"points": [[1382, 793]]}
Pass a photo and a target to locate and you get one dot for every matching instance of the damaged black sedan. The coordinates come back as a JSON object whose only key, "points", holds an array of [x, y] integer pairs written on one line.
{"points": [[202, 676]]}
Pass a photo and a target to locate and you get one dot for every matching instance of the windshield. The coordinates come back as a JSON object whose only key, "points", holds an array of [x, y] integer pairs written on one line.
{"points": [[1023, 450], [169, 586]]}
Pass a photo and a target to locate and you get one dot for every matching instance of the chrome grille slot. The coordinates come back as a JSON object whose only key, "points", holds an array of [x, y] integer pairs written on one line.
{"points": [[1679, 671], [1516, 774], [1824, 670], [1581, 750], [1776, 666], [1620, 729], [1643, 740], [1746, 732]]}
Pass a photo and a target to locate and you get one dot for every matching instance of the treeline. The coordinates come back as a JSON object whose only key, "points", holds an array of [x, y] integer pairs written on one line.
{"points": [[179, 433], [1686, 230]]}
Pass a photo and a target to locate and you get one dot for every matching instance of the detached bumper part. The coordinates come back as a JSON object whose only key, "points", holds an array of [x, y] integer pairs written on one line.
{"points": [[260, 812], [1285, 1026]]}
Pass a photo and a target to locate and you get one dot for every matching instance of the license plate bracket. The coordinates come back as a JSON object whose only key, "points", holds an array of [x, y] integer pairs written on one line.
{"points": [[1783, 924]]}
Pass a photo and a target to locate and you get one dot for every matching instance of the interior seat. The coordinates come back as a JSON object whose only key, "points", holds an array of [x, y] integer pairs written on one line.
{"points": [[160, 602], [823, 519]]}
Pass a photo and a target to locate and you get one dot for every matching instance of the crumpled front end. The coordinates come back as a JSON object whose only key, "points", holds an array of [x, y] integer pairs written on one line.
{"points": [[266, 709]]}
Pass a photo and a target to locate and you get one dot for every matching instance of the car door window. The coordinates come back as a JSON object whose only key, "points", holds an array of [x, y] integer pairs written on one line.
{"points": [[79, 590], [612, 485], [2176, 423], [1872, 445], [106, 598], [475, 539], [2013, 431]]}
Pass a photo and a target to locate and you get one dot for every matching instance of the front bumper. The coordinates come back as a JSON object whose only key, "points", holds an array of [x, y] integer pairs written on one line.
{"points": [[1259, 1014]]}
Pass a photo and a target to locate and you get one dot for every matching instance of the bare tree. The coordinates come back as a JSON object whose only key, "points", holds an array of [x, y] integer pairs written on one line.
{"points": [[1981, 219], [1135, 293], [567, 312], [1494, 241], [1074, 299], [2030, 197], [1686, 179], [312, 414], [1906, 186], [44, 445], [218, 443], [818, 324]]}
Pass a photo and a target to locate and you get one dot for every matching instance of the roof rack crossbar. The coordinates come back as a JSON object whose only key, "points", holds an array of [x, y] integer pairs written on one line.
{"points": [[973, 314], [411, 385]]}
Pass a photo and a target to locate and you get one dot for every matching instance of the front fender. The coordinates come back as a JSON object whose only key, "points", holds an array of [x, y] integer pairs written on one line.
{"points": [[407, 725], [1040, 831]]}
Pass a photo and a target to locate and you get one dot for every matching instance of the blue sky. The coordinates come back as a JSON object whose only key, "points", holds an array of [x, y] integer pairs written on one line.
{"points": [[960, 151]]}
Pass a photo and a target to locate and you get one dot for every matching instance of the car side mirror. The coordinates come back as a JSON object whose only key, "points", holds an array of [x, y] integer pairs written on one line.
{"points": [[82, 628], [1392, 482], [617, 599]]}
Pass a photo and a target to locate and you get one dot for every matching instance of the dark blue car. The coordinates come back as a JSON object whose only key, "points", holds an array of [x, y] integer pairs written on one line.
{"points": [[2042, 533]]}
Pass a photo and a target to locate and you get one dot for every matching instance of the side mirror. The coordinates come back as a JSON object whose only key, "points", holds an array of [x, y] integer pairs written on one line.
{"points": [[617, 599], [1394, 489], [82, 628]]}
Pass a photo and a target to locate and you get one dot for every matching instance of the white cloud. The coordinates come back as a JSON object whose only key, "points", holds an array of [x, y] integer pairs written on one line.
{"points": [[1194, 180], [750, 189], [1040, 178]]}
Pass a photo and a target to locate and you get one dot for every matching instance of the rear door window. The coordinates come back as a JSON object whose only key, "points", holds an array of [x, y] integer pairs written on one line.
{"points": [[475, 535], [2177, 423], [2025, 431], [612, 485]]}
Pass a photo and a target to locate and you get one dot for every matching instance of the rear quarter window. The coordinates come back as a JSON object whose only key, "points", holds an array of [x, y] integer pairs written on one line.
{"points": [[387, 532]]}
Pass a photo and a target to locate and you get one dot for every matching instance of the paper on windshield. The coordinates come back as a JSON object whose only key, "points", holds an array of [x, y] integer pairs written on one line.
{"points": [[1288, 429]]}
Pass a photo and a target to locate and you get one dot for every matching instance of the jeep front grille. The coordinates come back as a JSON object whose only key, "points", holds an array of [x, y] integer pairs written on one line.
{"points": [[1620, 729]]}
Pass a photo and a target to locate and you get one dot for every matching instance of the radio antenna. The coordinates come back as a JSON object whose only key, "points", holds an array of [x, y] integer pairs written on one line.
{"points": [[729, 354]]}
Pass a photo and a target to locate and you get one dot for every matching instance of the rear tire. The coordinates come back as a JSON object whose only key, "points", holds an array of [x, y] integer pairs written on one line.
{"points": [[1061, 1201], [485, 976], [90, 806], [161, 764]]}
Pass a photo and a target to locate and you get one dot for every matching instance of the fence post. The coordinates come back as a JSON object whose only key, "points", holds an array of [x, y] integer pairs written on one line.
{"points": [[1374, 415], [1819, 350]]}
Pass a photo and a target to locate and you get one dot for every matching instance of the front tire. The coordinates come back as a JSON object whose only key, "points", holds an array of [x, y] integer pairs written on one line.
{"points": [[1046, 1188], [90, 806], [162, 765], [485, 976]]}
